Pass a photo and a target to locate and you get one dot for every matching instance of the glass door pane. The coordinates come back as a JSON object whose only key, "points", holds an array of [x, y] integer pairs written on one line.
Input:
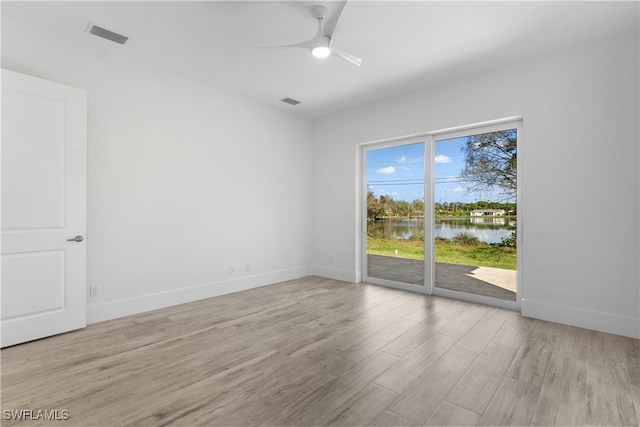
{"points": [[475, 210], [394, 254]]}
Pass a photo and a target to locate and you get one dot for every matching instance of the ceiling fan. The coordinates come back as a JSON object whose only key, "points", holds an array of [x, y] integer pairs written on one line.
{"points": [[321, 45]]}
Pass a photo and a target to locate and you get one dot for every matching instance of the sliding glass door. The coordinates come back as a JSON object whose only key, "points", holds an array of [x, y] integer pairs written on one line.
{"points": [[458, 235], [475, 215], [394, 238]]}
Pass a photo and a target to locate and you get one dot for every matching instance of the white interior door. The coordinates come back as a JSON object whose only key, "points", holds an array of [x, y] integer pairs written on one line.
{"points": [[43, 206]]}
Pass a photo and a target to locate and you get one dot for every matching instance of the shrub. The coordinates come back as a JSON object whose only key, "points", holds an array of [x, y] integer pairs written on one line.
{"points": [[510, 241], [465, 239]]}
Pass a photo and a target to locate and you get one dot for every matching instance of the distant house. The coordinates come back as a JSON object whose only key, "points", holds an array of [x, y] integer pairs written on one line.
{"points": [[488, 212]]}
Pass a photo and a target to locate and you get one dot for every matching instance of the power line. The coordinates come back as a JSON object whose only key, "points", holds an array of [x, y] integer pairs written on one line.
{"points": [[396, 180], [443, 180]]}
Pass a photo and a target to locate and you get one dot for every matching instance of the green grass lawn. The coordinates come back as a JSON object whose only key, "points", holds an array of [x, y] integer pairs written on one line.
{"points": [[483, 254]]}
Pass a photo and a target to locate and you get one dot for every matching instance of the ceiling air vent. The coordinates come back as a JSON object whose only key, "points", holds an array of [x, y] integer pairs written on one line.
{"points": [[106, 34], [291, 101]]}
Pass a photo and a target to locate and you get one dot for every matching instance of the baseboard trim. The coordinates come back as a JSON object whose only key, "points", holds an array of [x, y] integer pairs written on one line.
{"points": [[582, 318], [335, 273], [140, 304]]}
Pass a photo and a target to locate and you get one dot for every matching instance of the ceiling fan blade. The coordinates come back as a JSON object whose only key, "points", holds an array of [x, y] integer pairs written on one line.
{"points": [[305, 45], [346, 55], [331, 21]]}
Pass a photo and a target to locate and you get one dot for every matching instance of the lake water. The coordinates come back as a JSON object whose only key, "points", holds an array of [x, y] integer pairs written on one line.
{"points": [[490, 230]]}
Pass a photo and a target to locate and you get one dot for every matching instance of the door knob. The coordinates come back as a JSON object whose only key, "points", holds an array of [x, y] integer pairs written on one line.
{"points": [[78, 238]]}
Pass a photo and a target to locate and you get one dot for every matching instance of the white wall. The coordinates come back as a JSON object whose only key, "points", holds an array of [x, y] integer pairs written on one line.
{"points": [[580, 160], [184, 180]]}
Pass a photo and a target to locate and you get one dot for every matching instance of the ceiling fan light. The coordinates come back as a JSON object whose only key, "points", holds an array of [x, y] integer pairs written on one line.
{"points": [[321, 52]]}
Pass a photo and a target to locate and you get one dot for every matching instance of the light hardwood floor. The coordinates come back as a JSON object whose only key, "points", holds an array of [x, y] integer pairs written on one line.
{"points": [[321, 352]]}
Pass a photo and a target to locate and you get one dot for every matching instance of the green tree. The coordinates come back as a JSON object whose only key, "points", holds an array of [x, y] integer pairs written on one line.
{"points": [[402, 208], [491, 161], [417, 207], [388, 206], [374, 207]]}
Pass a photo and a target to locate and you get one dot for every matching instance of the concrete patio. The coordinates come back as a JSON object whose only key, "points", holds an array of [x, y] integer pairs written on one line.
{"points": [[491, 282]]}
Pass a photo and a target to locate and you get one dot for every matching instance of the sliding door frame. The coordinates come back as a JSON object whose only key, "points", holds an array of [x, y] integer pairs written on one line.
{"points": [[433, 137], [429, 139], [419, 139]]}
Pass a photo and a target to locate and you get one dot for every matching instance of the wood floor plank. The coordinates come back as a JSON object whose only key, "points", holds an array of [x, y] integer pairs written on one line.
{"points": [[531, 361], [380, 321], [391, 419], [454, 309], [603, 346], [360, 313], [132, 397], [318, 406], [513, 404], [516, 330], [174, 401], [431, 307], [421, 399], [275, 390], [448, 414], [609, 398], [322, 342], [481, 333], [633, 367], [415, 336], [464, 321], [609, 405], [635, 392], [479, 383], [405, 372], [563, 395], [364, 407], [374, 342], [573, 342]]}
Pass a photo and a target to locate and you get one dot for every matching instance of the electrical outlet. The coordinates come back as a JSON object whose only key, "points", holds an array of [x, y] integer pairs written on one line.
{"points": [[94, 290], [232, 269]]}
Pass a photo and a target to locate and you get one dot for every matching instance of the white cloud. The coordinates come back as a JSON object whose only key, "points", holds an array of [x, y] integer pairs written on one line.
{"points": [[388, 170], [458, 189], [441, 158], [405, 159]]}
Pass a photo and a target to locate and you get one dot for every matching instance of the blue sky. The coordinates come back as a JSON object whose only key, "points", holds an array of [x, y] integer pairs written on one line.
{"points": [[449, 161], [399, 172]]}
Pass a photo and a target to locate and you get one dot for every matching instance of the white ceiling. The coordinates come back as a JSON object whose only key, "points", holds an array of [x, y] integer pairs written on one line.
{"points": [[403, 45]]}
